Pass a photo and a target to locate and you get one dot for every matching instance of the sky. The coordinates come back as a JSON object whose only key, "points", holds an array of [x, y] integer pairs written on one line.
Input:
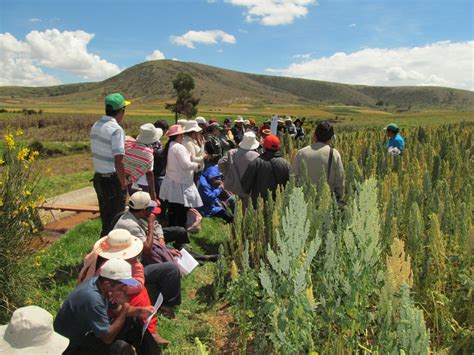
{"points": [[370, 42]]}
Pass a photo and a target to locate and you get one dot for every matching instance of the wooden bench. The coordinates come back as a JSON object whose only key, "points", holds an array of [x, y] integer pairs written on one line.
{"points": [[70, 208]]}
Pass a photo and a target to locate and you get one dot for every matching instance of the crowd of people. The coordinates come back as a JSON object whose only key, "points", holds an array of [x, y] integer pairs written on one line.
{"points": [[142, 185]]}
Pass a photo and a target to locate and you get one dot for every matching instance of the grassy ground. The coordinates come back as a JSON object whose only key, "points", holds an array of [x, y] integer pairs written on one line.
{"points": [[199, 316]]}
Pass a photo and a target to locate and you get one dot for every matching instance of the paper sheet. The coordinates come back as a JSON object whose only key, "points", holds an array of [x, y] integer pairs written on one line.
{"points": [[158, 303], [186, 262]]}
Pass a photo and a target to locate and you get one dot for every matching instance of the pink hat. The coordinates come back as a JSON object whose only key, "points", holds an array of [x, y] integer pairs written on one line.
{"points": [[174, 130]]}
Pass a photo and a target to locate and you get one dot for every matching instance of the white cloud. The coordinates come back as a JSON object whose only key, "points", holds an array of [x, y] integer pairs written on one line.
{"points": [[35, 20], [204, 37], [22, 62], [353, 25], [303, 57], [155, 55], [440, 64], [273, 12]]}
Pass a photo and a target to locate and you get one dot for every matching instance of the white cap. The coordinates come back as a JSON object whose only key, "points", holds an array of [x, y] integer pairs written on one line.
{"points": [[192, 126], [149, 134], [249, 141], [201, 120], [119, 244], [31, 331], [118, 270]]}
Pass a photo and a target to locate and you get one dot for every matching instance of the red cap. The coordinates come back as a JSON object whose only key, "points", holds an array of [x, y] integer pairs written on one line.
{"points": [[271, 142]]}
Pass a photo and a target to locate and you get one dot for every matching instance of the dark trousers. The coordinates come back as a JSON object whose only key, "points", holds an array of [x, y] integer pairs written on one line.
{"points": [[177, 214], [130, 334], [167, 280], [176, 235], [111, 199]]}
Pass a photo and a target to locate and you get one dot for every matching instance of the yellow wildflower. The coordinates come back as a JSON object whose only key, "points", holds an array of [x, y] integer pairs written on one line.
{"points": [[22, 154], [10, 141], [2, 161], [29, 301], [23, 208], [35, 230], [38, 260], [19, 132], [33, 155], [27, 192]]}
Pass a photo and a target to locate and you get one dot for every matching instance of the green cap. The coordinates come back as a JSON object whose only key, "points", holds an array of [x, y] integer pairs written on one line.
{"points": [[392, 127], [117, 101]]}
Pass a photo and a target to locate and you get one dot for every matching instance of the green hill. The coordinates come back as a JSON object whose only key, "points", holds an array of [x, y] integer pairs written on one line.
{"points": [[152, 82]]}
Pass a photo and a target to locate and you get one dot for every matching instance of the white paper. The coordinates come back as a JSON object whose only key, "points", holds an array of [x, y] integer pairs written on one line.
{"points": [[158, 303], [274, 124], [186, 262]]}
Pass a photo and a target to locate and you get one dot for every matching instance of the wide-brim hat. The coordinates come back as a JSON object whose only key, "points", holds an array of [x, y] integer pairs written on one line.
{"points": [[192, 126], [174, 130], [149, 134], [201, 120], [31, 331], [119, 244], [249, 141], [239, 119]]}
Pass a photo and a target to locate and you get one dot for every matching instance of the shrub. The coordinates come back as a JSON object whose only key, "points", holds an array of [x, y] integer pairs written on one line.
{"points": [[18, 222]]}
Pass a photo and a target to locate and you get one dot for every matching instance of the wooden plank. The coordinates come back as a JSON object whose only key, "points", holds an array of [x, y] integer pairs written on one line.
{"points": [[72, 208]]}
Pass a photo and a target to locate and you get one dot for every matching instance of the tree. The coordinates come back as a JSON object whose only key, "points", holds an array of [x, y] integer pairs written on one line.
{"points": [[185, 104]]}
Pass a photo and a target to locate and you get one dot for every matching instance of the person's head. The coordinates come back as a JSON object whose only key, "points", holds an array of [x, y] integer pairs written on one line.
{"points": [[324, 132], [239, 121], [141, 205], [191, 128], [149, 134], [115, 275], [298, 122], [271, 143], [201, 121], [115, 105], [288, 121], [31, 331], [249, 141], [266, 132], [281, 123], [225, 129], [163, 125], [252, 122], [213, 175], [175, 133], [227, 121], [214, 129], [246, 123], [118, 244], [392, 130]]}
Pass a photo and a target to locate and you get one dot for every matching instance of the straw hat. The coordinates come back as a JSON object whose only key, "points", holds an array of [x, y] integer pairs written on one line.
{"points": [[239, 119], [288, 119], [174, 130], [149, 134], [249, 141], [192, 126], [119, 244], [31, 331]]}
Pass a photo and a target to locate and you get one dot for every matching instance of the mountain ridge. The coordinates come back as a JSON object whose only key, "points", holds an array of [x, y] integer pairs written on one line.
{"points": [[152, 82]]}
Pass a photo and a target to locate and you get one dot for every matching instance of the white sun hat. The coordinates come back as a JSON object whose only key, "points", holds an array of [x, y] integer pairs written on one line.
{"points": [[192, 126], [288, 118], [118, 270], [31, 331], [182, 122], [149, 134], [119, 244], [239, 119], [246, 123], [249, 141], [201, 120]]}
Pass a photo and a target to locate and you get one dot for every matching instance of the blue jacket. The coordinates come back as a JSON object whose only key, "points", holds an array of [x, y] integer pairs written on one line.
{"points": [[209, 194], [396, 141]]}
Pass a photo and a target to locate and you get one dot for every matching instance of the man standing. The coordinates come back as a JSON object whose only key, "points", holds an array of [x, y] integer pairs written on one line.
{"points": [[108, 149], [320, 158], [84, 316], [264, 174], [235, 162], [238, 129]]}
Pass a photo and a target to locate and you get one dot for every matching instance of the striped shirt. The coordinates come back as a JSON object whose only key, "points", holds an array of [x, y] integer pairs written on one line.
{"points": [[107, 141], [137, 161]]}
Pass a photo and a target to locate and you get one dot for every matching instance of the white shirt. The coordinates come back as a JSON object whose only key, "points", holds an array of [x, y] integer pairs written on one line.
{"points": [[107, 141]]}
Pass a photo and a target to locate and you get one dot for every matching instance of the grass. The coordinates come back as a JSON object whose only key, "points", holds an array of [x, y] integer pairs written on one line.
{"points": [[55, 270], [60, 184]]}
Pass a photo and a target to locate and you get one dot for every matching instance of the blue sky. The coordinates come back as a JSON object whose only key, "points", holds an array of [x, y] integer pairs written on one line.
{"points": [[361, 42]]}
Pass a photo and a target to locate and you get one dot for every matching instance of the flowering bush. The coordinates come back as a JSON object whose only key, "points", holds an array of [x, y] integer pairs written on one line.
{"points": [[18, 221]]}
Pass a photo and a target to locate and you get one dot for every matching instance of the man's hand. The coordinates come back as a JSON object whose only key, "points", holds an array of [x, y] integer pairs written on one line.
{"points": [[175, 252], [151, 219], [118, 297], [144, 312], [161, 241]]}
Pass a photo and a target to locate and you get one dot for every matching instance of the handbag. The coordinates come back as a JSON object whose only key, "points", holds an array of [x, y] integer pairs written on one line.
{"points": [[193, 220]]}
